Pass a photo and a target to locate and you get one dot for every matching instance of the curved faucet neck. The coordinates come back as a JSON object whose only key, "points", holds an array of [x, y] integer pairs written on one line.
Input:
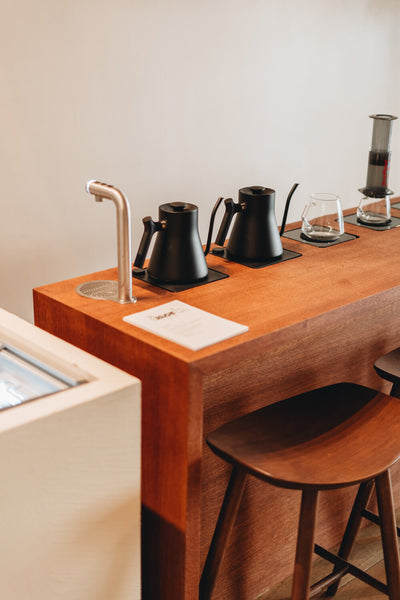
{"points": [[104, 191]]}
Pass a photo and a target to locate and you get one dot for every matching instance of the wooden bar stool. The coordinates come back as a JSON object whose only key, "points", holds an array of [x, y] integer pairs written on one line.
{"points": [[388, 367], [329, 438]]}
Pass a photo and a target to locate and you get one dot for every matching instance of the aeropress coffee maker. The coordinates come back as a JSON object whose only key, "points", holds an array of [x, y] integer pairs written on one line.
{"points": [[374, 210]]}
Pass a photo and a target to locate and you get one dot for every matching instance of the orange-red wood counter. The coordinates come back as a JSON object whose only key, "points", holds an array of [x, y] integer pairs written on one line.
{"points": [[315, 320]]}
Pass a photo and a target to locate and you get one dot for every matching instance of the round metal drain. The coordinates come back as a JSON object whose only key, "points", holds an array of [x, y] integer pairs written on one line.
{"points": [[99, 290]]}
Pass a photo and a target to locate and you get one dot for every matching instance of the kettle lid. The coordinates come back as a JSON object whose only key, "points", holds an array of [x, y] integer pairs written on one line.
{"points": [[178, 207], [256, 190]]}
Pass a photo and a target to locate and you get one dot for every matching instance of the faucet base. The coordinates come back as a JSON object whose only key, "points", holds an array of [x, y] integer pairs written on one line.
{"points": [[102, 290]]}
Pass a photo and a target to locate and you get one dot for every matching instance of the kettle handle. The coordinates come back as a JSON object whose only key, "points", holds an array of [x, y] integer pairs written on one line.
{"points": [[285, 212], [211, 225], [150, 227], [230, 209]]}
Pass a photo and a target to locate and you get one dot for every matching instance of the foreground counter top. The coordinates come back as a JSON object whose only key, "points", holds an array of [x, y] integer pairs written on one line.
{"points": [[70, 470], [314, 320]]}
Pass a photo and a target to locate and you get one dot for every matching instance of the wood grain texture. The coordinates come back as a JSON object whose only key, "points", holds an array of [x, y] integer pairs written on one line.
{"points": [[315, 320]]}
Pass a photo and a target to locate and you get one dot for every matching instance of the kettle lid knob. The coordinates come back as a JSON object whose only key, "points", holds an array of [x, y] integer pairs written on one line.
{"points": [[178, 206], [257, 189]]}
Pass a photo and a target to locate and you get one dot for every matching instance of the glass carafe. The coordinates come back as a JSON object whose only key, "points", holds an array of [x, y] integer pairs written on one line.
{"points": [[322, 218], [374, 211]]}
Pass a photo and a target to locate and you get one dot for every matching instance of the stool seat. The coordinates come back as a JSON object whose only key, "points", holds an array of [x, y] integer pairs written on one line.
{"points": [[331, 437]]}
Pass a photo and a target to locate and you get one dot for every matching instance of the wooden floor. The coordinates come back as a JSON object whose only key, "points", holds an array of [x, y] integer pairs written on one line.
{"points": [[367, 554]]}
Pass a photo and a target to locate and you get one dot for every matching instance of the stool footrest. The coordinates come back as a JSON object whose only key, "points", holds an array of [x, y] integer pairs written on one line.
{"points": [[367, 514], [350, 568], [327, 581]]}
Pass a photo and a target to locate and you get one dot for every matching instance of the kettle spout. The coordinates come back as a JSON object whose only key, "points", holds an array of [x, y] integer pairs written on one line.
{"points": [[285, 213]]}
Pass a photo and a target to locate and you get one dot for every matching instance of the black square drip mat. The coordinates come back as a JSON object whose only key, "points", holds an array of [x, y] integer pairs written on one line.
{"points": [[177, 287], [287, 255], [394, 222], [297, 234]]}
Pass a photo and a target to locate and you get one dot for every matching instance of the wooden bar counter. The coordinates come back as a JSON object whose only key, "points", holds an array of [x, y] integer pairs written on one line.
{"points": [[321, 318]]}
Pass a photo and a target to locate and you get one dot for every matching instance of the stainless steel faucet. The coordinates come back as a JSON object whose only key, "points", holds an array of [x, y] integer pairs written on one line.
{"points": [[101, 191]]}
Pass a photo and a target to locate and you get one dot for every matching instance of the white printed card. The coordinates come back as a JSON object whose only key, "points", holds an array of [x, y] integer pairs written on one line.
{"points": [[186, 325]]}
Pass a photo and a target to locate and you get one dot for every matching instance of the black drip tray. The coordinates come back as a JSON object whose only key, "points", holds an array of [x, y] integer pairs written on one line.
{"points": [[296, 234], [394, 222], [177, 287], [287, 255]]}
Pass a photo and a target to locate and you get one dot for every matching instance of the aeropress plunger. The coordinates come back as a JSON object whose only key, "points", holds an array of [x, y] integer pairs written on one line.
{"points": [[374, 208]]}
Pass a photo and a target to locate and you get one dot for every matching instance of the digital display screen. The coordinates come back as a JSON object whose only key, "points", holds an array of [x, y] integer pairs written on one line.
{"points": [[22, 378]]}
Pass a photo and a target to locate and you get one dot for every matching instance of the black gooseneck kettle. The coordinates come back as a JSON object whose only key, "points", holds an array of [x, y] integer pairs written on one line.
{"points": [[178, 255], [255, 235]]}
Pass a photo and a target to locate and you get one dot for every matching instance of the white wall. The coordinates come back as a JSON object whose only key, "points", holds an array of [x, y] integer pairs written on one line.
{"points": [[178, 100]]}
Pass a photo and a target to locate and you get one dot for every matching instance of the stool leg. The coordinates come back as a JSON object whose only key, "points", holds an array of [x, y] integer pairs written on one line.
{"points": [[305, 546], [395, 391], [389, 534], [226, 519], [352, 528]]}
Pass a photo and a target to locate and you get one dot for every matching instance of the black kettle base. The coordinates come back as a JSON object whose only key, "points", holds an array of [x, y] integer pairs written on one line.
{"points": [[287, 255], [142, 275]]}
